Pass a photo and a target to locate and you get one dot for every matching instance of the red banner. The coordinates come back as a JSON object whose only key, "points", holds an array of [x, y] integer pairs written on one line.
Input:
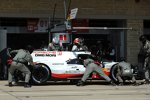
{"points": [[81, 23], [32, 25]]}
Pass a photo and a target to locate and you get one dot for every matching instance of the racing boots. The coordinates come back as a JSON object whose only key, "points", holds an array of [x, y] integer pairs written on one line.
{"points": [[121, 84], [146, 82], [10, 84], [27, 85], [80, 83], [135, 84], [112, 83]]}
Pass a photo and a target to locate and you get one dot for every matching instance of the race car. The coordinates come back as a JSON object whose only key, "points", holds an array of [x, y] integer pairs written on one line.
{"points": [[67, 65]]}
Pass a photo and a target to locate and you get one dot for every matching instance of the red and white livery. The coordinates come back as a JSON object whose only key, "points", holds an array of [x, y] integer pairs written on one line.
{"points": [[62, 65]]}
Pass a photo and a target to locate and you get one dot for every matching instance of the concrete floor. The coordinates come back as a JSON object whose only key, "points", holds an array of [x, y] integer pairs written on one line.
{"points": [[65, 91]]}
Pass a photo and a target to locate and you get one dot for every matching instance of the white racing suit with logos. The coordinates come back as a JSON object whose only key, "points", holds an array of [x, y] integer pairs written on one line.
{"points": [[55, 47]]}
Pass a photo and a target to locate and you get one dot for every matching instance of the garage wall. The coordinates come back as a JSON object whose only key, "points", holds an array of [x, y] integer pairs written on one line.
{"points": [[132, 39], [134, 11], [107, 9]]}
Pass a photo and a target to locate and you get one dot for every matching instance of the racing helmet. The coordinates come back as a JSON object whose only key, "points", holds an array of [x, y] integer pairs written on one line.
{"points": [[81, 40], [55, 40], [76, 41], [142, 38]]}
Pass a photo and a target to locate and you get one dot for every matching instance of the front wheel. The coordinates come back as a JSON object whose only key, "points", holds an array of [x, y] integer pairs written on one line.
{"points": [[40, 74]]}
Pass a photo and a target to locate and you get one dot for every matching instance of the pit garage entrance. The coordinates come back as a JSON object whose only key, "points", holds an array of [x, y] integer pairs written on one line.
{"points": [[112, 31], [115, 36], [147, 28], [17, 41]]}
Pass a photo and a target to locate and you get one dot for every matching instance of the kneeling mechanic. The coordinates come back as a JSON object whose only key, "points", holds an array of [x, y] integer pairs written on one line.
{"points": [[92, 66]]}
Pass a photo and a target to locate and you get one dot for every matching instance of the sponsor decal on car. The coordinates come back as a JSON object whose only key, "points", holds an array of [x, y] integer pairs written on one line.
{"points": [[65, 64], [45, 54], [57, 63]]}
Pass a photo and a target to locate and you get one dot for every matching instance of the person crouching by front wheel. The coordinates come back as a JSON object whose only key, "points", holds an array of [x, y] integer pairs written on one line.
{"points": [[91, 66], [20, 61]]}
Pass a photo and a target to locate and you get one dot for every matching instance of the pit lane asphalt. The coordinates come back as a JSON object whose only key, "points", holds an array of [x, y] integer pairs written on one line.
{"points": [[65, 91]]}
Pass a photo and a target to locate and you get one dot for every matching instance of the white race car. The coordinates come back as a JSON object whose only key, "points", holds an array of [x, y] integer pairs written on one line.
{"points": [[54, 65]]}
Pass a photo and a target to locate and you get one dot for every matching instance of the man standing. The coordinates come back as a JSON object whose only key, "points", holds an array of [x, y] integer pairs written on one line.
{"points": [[110, 52], [92, 66], [78, 45], [146, 47], [4, 56], [20, 62], [55, 45]]}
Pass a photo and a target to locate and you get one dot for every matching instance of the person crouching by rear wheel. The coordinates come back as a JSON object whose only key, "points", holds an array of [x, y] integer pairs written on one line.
{"points": [[20, 62], [92, 66], [124, 69]]}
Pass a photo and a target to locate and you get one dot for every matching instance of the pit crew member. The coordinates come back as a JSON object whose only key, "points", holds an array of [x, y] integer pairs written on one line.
{"points": [[92, 66], [20, 62], [55, 45], [124, 70], [78, 45], [146, 46]]}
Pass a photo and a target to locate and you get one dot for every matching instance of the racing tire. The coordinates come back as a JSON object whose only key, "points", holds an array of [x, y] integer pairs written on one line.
{"points": [[40, 74], [113, 73]]}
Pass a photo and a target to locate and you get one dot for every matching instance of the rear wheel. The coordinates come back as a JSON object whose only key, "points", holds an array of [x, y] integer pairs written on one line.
{"points": [[113, 73], [40, 74]]}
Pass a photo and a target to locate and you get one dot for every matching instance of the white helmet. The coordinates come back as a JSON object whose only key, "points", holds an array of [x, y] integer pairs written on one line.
{"points": [[55, 40]]}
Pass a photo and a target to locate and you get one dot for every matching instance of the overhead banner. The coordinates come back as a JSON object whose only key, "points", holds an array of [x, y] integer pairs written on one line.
{"points": [[42, 25], [37, 25], [73, 13], [32, 25], [81, 23]]}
